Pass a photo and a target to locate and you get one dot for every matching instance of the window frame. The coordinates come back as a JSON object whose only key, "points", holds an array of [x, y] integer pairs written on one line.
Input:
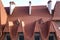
{"points": [[52, 34], [37, 34], [7, 34], [20, 34]]}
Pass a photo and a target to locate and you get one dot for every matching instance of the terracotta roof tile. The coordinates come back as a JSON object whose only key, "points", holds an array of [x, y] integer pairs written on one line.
{"points": [[38, 12], [7, 10], [57, 31], [3, 15], [57, 11], [44, 28], [52, 27], [29, 29]]}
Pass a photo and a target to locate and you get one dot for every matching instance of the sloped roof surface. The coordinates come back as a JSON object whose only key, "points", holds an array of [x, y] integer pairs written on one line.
{"points": [[3, 15], [22, 13], [57, 11], [36, 11]]}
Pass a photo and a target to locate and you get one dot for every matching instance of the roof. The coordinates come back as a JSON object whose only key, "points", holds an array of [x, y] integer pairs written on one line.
{"points": [[57, 11], [23, 13], [52, 27], [38, 12], [3, 15], [44, 28], [24, 10], [56, 29], [7, 10]]}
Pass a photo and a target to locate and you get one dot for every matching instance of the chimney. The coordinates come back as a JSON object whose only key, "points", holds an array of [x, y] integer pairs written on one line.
{"points": [[12, 6], [29, 7], [50, 6]]}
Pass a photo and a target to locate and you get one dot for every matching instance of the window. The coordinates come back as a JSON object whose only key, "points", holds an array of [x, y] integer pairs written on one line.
{"points": [[52, 36], [21, 36], [7, 36], [37, 36]]}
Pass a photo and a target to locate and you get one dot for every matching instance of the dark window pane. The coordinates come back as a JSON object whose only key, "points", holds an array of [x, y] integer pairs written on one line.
{"points": [[52, 36], [21, 36], [8, 38], [37, 36]]}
